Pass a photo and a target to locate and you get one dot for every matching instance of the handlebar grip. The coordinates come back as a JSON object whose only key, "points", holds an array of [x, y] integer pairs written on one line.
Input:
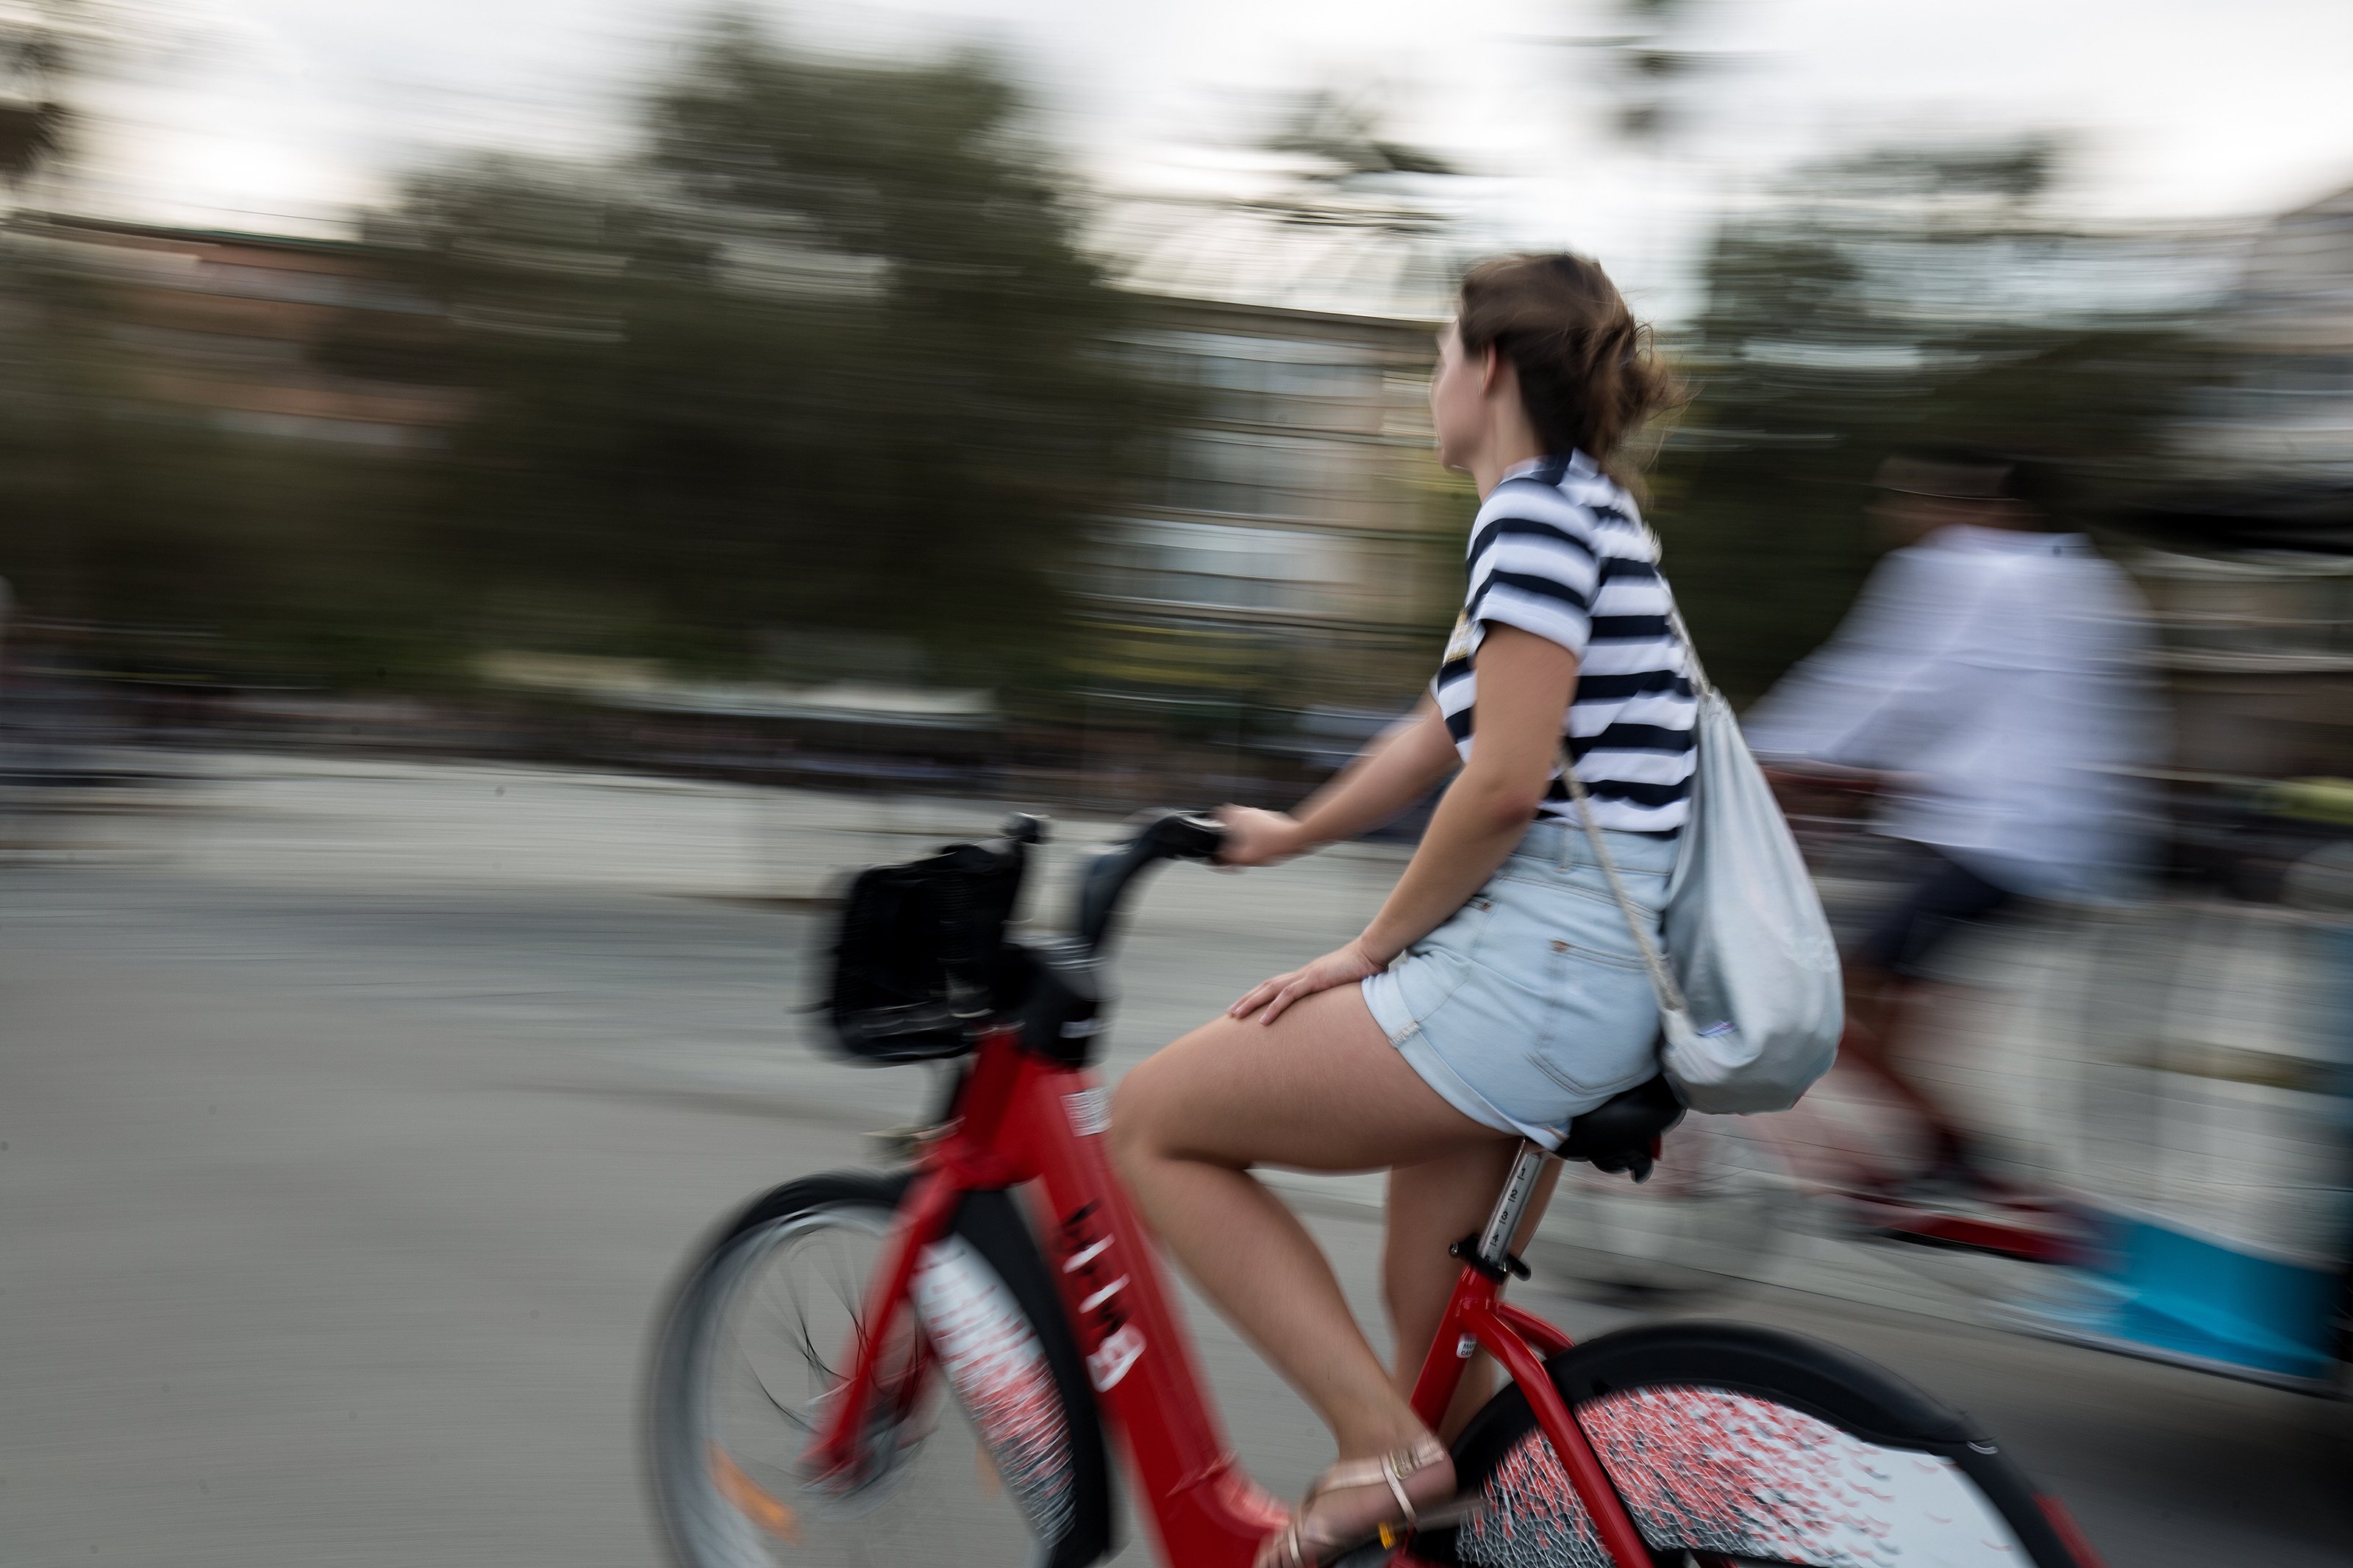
{"points": [[1168, 835], [1189, 836]]}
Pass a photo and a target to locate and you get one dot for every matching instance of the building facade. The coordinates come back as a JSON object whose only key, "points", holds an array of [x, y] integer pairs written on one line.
{"points": [[1298, 556], [2253, 583], [235, 329]]}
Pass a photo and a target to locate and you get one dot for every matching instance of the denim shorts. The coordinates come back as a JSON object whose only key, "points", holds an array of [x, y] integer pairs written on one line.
{"points": [[1530, 1006]]}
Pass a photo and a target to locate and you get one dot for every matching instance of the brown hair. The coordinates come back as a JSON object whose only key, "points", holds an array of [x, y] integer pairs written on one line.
{"points": [[1589, 377]]}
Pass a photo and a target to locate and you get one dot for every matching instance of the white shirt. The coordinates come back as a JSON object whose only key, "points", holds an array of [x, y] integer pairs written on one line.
{"points": [[2003, 675]]}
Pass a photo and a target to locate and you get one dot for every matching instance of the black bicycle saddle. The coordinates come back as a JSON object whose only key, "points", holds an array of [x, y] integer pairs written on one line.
{"points": [[1622, 1132]]}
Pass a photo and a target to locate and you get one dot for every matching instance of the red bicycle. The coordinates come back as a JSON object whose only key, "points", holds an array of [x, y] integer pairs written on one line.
{"points": [[797, 1412]]}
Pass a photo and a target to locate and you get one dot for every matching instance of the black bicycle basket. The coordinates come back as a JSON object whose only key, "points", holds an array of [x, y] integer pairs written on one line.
{"points": [[915, 959]]}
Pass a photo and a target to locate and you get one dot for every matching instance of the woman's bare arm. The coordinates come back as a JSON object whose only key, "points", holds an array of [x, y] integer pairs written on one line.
{"points": [[1525, 684], [1394, 771]]}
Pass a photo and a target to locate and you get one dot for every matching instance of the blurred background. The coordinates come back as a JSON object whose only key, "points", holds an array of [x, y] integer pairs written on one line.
{"points": [[500, 503]]}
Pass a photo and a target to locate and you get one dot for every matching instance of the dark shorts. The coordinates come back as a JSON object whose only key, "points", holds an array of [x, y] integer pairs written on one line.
{"points": [[1947, 896]]}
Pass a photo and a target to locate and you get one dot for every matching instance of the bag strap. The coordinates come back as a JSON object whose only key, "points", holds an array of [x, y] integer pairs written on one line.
{"points": [[1698, 672], [1663, 980]]}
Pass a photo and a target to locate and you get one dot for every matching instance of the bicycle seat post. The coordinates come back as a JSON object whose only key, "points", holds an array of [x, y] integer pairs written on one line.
{"points": [[1510, 1204]]}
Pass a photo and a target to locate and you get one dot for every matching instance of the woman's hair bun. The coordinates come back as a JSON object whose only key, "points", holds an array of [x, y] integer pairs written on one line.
{"points": [[1589, 374]]}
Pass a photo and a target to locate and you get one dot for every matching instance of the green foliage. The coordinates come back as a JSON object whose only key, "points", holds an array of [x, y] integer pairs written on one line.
{"points": [[145, 519], [830, 356], [820, 359]]}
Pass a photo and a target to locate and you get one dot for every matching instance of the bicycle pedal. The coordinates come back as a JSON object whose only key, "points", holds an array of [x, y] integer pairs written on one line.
{"points": [[1394, 1535], [901, 1142], [1447, 1515]]}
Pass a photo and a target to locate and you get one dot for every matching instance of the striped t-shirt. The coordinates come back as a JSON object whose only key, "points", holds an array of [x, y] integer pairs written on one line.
{"points": [[1559, 550]]}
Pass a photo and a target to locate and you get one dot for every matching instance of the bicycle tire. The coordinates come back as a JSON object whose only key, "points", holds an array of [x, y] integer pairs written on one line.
{"points": [[1735, 1445], [992, 1317]]}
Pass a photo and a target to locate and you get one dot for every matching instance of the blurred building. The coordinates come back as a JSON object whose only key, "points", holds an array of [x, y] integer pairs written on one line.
{"points": [[2257, 646], [2253, 587], [2282, 414], [236, 328], [1301, 551], [2216, 1065]]}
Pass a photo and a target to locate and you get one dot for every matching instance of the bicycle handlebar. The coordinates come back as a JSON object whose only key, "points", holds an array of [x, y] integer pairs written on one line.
{"points": [[1163, 835]]}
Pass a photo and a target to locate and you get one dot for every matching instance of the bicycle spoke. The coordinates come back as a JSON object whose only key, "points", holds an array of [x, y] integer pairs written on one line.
{"points": [[849, 1297], [816, 1359], [787, 1319], [781, 1407], [778, 1300], [780, 1303], [760, 1381]]}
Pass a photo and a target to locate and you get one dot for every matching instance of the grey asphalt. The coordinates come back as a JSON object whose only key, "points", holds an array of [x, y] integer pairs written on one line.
{"points": [[335, 1218]]}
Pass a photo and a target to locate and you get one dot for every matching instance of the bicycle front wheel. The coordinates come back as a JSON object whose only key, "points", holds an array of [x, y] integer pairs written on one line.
{"points": [[1733, 1445], [1004, 1464]]}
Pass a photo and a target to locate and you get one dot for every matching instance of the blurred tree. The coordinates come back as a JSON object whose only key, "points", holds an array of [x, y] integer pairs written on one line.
{"points": [[142, 531], [1338, 139], [45, 45], [40, 391], [1908, 295], [32, 119], [828, 354]]}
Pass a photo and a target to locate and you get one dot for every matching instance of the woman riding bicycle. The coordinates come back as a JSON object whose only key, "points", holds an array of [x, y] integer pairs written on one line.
{"points": [[1498, 993]]}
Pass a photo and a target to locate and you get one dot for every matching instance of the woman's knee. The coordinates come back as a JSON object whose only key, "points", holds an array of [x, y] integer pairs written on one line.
{"points": [[1137, 1118], [1164, 1110]]}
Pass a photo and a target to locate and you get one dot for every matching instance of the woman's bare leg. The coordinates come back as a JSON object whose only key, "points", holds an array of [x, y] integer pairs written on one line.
{"points": [[1321, 1089], [1432, 1206]]}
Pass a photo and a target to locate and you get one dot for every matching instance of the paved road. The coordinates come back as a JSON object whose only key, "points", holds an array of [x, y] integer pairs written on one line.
{"points": [[336, 1212]]}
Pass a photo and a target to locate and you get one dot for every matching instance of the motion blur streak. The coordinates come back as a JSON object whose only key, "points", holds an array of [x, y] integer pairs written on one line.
{"points": [[450, 647]]}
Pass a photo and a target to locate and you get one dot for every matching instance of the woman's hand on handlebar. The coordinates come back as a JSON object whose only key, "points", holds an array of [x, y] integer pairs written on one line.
{"points": [[1340, 966], [1255, 837]]}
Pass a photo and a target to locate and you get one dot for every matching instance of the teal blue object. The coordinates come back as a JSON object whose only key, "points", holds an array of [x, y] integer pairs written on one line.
{"points": [[2182, 1295], [2167, 1292]]}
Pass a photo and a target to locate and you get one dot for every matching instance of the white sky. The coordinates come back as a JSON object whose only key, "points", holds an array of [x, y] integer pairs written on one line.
{"points": [[2182, 110]]}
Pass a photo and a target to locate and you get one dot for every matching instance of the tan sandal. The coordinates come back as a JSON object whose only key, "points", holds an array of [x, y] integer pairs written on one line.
{"points": [[1295, 1547]]}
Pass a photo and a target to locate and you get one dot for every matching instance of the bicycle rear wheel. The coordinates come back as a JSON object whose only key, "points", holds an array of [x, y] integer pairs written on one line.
{"points": [[1013, 1471], [1738, 1446]]}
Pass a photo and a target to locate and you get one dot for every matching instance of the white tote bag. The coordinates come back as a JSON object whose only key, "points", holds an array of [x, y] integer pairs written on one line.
{"points": [[1750, 1003]]}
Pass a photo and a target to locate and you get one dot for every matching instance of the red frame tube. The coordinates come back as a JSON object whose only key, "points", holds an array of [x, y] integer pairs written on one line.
{"points": [[925, 1214], [1611, 1520], [1024, 1119], [1476, 1314]]}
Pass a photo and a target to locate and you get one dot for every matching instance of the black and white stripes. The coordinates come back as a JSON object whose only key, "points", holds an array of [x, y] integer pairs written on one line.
{"points": [[1559, 550]]}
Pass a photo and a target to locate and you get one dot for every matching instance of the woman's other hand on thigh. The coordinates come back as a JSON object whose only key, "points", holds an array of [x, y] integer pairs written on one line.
{"points": [[1342, 966]]}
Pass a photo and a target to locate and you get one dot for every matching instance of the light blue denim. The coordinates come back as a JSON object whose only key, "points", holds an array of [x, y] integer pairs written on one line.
{"points": [[1529, 1006]]}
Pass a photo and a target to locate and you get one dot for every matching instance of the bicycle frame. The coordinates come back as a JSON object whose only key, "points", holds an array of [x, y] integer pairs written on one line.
{"points": [[1023, 1118]]}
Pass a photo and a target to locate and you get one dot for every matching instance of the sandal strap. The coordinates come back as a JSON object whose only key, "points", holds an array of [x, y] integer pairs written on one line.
{"points": [[1392, 1470], [1396, 1491], [1295, 1548]]}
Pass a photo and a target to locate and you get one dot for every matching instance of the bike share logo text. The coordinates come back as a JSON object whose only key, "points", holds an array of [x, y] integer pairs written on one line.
{"points": [[1086, 1248]]}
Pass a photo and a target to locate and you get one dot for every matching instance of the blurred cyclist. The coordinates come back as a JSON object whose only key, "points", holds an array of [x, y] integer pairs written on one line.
{"points": [[1497, 995], [1990, 681]]}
